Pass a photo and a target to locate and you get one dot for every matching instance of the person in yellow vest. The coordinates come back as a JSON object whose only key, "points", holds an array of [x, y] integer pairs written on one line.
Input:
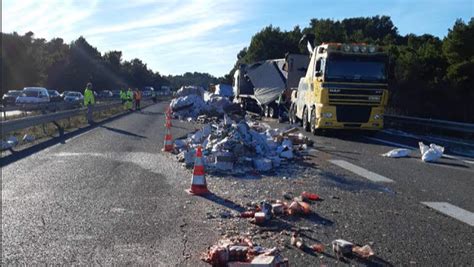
{"points": [[89, 101], [137, 97], [123, 97], [89, 98], [129, 98]]}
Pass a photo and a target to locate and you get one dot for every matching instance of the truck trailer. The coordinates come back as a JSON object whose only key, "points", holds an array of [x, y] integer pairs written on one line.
{"points": [[265, 87]]}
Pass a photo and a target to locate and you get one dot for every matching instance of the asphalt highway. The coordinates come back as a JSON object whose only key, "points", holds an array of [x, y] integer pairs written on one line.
{"points": [[108, 195]]}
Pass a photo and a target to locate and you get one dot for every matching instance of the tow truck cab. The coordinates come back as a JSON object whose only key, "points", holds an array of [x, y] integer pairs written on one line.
{"points": [[345, 87]]}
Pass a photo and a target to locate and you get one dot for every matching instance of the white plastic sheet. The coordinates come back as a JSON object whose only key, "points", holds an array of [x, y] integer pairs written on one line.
{"points": [[397, 153], [430, 153]]}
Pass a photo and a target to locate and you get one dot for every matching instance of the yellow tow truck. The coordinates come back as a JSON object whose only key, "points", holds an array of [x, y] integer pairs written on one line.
{"points": [[345, 87]]}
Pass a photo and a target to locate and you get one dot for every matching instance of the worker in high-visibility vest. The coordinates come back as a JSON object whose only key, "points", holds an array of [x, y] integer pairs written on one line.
{"points": [[89, 101], [129, 98], [123, 97], [89, 95], [137, 96]]}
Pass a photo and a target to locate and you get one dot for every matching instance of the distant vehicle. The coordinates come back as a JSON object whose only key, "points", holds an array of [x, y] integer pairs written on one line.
{"points": [[147, 91], [63, 94], [105, 94], [54, 96], [33, 95], [116, 93], [165, 90], [73, 98], [9, 98]]}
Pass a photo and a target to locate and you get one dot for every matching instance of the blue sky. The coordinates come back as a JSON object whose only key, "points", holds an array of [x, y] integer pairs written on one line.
{"points": [[173, 37]]}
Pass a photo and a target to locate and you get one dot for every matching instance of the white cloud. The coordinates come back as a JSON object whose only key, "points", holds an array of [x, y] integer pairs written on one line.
{"points": [[171, 36]]}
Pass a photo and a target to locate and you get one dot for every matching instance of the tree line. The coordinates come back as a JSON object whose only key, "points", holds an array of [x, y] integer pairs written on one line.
{"points": [[429, 76], [29, 61]]}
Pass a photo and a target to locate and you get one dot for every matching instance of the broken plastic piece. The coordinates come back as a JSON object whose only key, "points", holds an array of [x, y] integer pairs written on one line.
{"points": [[342, 247], [363, 252], [319, 248], [397, 153], [309, 196], [430, 153], [247, 214], [259, 217]]}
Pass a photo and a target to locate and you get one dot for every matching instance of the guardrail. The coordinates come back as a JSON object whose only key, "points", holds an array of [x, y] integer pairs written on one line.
{"points": [[49, 106], [30, 121], [466, 128]]}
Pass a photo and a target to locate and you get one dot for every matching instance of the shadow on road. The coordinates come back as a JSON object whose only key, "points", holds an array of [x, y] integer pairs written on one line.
{"points": [[223, 202], [352, 184], [18, 155], [122, 132]]}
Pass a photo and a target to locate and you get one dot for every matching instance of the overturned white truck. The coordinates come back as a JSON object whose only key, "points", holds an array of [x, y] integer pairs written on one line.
{"points": [[265, 87]]}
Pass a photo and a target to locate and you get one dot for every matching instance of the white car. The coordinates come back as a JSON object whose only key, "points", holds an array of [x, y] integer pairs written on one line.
{"points": [[33, 95], [73, 97]]}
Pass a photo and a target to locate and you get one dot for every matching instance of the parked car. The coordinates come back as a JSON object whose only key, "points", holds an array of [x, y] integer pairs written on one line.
{"points": [[116, 93], [63, 94], [73, 97], [9, 98], [105, 94], [33, 95], [147, 91], [54, 96]]}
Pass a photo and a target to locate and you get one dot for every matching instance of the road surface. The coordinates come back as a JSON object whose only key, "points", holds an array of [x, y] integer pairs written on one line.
{"points": [[110, 196]]}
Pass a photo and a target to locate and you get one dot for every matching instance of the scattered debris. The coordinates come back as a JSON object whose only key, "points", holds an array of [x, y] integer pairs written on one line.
{"points": [[309, 196], [194, 103], [342, 248], [241, 251], [239, 147], [430, 153], [319, 248], [363, 252], [397, 153], [299, 207]]}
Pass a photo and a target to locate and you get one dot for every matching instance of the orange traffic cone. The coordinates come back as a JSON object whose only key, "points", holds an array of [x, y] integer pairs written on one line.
{"points": [[168, 122], [168, 141], [199, 185]]}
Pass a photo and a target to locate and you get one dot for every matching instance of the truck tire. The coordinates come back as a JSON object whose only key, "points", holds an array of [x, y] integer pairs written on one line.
{"points": [[314, 130], [306, 125], [265, 111]]}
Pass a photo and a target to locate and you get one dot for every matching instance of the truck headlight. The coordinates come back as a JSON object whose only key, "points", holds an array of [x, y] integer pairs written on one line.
{"points": [[327, 115], [377, 116]]}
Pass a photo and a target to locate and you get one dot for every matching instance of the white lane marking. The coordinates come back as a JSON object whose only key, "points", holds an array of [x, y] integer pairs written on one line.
{"points": [[374, 177], [411, 147], [452, 211]]}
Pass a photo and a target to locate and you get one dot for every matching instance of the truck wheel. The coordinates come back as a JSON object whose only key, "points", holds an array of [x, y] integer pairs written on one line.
{"points": [[313, 121], [265, 111], [305, 120]]}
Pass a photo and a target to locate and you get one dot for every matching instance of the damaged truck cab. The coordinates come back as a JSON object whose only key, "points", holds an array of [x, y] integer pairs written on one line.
{"points": [[345, 87]]}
